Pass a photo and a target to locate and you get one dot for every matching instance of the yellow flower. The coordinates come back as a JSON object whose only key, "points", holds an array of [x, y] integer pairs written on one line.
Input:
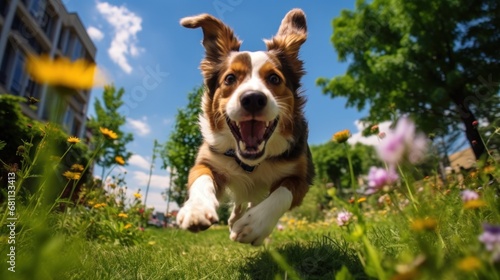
{"points": [[99, 205], [361, 199], [428, 224], [474, 204], [120, 160], [108, 133], [73, 140], [123, 215], [469, 264], [489, 169], [77, 167], [137, 195], [151, 243], [72, 175], [80, 74], [341, 136], [127, 226]]}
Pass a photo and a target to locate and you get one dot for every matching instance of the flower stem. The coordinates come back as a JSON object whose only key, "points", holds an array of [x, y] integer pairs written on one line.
{"points": [[351, 171], [408, 188]]}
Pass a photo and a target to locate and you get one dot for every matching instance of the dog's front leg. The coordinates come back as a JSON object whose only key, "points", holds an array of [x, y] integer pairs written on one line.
{"points": [[199, 211], [259, 221]]}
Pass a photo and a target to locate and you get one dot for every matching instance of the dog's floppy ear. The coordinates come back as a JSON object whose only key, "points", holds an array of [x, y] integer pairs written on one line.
{"points": [[218, 39]]}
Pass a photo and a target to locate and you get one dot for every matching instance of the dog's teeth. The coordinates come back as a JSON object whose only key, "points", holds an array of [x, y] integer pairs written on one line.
{"points": [[243, 146], [267, 124], [261, 146]]}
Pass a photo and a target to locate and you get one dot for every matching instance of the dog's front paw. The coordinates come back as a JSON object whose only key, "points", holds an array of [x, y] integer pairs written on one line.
{"points": [[253, 227], [196, 216]]}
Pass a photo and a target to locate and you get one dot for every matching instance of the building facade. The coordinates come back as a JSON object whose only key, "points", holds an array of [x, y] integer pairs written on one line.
{"points": [[42, 27]]}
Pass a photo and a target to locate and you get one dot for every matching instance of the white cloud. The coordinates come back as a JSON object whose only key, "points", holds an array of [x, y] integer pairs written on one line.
{"points": [[95, 34], [126, 25], [139, 126], [139, 161], [371, 140]]}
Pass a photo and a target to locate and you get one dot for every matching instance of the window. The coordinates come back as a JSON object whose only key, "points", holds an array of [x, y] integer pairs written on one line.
{"points": [[17, 74], [68, 119], [37, 9], [77, 49]]}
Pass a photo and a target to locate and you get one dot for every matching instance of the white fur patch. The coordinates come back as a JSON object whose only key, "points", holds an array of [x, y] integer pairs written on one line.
{"points": [[199, 211], [253, 83], [259, 221]]}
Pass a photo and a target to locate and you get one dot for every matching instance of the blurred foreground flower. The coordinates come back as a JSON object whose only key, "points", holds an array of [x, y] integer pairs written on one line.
{"points": [[108, 133], [403, 142], [468, 195], [73, 140], [344, 218], [72, 175], [341, 136], [470, 263], [490, 237], [120, 160], [426, 224], [137, 195], [378, 178], [80, 74]]}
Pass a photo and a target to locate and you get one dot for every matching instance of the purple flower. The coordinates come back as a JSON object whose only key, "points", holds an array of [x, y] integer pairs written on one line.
{"points": [[491, 237], [403, 141], [379, 178], [343, 218], [468, 195]]}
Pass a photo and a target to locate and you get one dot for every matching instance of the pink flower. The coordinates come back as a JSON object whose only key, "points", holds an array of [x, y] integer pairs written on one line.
{"points": [[343, 218], [379, 178], [280, 227], [401, 142], [468, 195]]}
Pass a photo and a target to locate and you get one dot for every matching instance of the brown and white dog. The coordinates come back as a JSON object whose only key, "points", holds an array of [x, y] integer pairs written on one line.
{"points": [[254, 131]]}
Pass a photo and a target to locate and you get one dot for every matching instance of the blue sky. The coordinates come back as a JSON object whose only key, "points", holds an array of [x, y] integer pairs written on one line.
{"points": [[143, 49]]}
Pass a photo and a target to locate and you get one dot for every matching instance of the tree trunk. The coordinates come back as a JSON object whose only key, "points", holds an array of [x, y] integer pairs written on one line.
{"points": [[471, 131]]}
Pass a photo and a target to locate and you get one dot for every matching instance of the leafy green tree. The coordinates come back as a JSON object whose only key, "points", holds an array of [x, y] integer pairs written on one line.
{"points": [[433, 59], [330, 162], [108, 116], [181, 148]]}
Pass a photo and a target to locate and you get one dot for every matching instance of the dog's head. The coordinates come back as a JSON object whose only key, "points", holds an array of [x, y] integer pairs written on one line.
{"points": [[251, 98]]}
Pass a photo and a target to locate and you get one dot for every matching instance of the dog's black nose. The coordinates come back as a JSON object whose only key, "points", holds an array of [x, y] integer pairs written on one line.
{"points": [[253, 101]]}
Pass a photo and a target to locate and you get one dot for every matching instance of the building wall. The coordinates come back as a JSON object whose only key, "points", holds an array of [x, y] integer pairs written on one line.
{"points": [[42, 27]]}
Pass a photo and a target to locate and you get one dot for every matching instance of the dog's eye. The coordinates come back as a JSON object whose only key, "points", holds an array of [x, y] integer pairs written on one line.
{"points": [[229, 79], [274, 79]]}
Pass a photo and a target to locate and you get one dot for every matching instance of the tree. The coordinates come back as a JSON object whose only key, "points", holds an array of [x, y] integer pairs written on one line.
{"points": [[107, 116], [181, 148], [330, 162], [432, 59]]}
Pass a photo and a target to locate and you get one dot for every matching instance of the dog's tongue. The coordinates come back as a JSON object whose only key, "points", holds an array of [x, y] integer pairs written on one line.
{"points": [[252, 133]]}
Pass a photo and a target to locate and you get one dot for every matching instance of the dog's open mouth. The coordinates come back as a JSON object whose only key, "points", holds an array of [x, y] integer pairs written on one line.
{"points": [[251, 136]]}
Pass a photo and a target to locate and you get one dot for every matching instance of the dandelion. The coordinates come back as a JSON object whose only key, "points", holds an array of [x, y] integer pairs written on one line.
{"points": [[99, 205], [127, 226], [474, 204], [403, 142], [426, 224], [123, 215], [73, 140], [378, 178], [138, 196], [344, 218], [72, 175], [119, 160], [468, 195], [151, 243], [108, 133], [77, 167], [341, 136], [79, 74], [470, 263], [361, 199]]}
